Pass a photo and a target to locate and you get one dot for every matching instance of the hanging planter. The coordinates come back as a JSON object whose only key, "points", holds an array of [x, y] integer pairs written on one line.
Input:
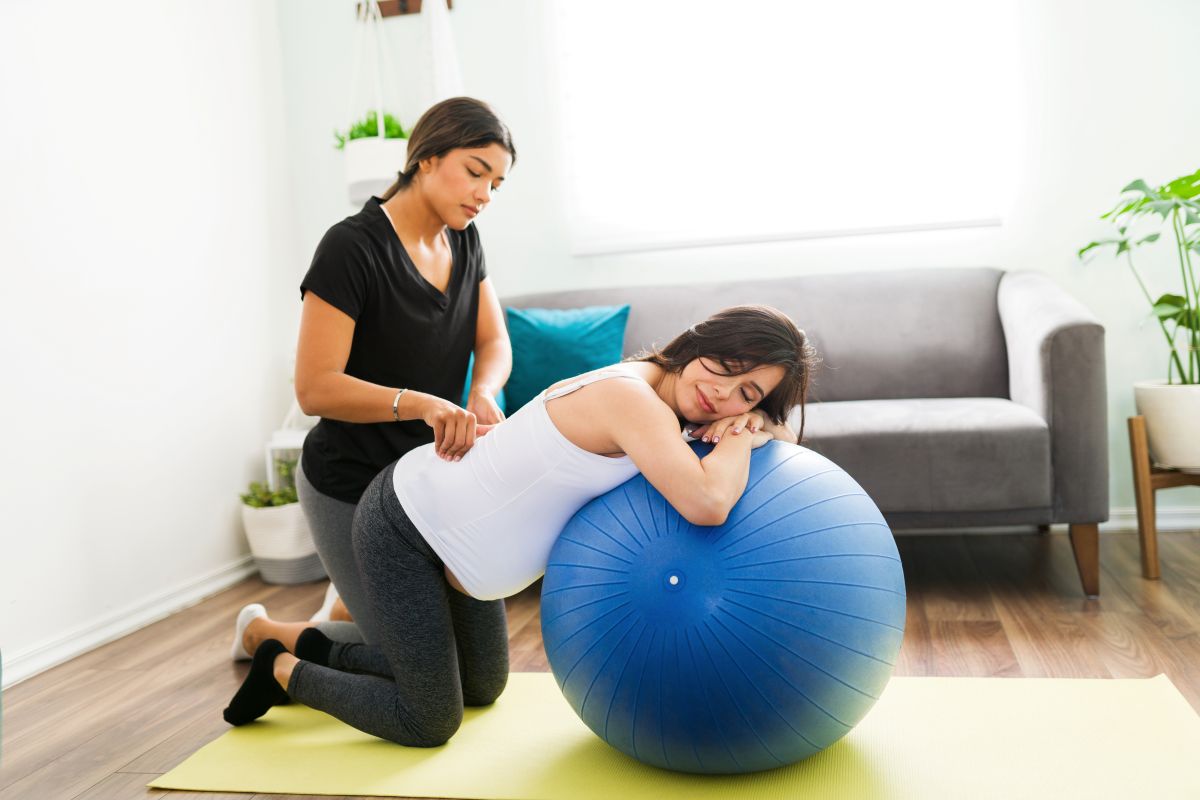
{"points": [[374, 154], [372, 158]]}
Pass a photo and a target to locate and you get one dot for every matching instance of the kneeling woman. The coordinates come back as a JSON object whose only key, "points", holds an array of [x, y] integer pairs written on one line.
{"points": [[438, 543]]}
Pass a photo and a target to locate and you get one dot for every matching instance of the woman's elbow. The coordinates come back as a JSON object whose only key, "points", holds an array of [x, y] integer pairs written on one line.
{"points": [[707, 513], [714, 518], [304, 399]]}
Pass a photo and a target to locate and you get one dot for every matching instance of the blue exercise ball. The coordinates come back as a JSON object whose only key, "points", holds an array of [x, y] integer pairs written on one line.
{"points": [[734, 648]]}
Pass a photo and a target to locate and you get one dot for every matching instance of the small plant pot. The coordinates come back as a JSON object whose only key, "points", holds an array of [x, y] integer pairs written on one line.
{"points": [[282, 544], [1172, 413], [372, 165]]}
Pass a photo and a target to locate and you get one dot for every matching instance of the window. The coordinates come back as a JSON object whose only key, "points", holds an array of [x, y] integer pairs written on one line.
{"points": [[691, 122]]}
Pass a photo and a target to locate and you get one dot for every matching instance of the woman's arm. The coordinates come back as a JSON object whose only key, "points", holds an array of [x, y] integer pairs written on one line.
{"points": [[703, 490], [493, 356], [324, 389], [781, 432]]}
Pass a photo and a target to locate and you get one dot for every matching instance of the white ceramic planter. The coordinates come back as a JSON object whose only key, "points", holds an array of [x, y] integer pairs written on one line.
{"points": [[282, 544], [372, 165], [1172, 413]]}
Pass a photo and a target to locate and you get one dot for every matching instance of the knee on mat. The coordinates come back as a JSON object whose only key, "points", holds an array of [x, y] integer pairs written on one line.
{"points": [[484, 693], [433, 731]]}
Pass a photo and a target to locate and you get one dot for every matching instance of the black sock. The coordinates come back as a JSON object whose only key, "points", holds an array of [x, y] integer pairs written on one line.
{"points": [[313, 646], [259, 691]]}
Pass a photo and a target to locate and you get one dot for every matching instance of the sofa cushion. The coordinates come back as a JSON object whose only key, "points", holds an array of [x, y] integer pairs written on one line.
{"points": [[944, 454], [550, 344]]}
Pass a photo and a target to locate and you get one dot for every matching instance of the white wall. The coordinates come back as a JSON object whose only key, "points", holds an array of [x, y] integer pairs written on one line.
{"points": [[144, 242], [1107, 98]]}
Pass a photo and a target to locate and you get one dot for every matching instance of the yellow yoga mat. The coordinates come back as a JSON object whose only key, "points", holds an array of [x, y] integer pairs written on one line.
{"points": [[927, 738]]}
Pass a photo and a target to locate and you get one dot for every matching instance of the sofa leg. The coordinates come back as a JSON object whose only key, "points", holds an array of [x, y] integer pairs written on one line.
{"points": [[1085, 541]]}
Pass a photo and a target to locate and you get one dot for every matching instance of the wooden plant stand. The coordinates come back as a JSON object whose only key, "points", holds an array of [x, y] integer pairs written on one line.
{"points": [[1148, 479]]}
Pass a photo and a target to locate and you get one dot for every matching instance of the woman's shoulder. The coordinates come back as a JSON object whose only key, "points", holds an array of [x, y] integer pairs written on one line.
{"points": [[351, 233], [631, 381], [359, 239]]}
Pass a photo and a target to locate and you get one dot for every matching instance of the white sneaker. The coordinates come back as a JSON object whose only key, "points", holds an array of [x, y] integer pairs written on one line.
{"points": [[331, 596], [244, 618]]}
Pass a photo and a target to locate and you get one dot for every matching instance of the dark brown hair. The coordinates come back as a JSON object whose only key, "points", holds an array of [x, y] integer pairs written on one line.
{"points": [[741, 339], [460, 122]]}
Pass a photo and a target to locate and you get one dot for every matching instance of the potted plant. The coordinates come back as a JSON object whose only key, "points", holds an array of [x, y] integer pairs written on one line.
{"points": [[1172, 406], [373, 157], [278, 532]]}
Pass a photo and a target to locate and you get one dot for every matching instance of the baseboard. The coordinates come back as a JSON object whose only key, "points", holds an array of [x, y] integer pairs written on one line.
{"points": [[1183, 518], [121, 622]]}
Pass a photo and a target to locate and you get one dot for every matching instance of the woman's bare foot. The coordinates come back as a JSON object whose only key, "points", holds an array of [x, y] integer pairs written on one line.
{"points": [[261, 629], [339, 612]]}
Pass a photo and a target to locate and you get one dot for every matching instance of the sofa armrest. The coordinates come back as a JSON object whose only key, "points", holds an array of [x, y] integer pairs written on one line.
{"points": [[1056, 367]]}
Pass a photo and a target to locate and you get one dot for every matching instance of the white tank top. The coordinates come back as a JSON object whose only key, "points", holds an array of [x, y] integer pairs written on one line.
{"points": [[493, 517]]}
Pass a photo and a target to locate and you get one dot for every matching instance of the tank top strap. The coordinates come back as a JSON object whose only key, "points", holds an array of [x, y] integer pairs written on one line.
{"points": [[584, 381]]}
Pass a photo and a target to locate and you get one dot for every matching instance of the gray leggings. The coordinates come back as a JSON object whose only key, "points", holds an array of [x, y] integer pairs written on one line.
{"points": [[330, 519], [437, 648]]}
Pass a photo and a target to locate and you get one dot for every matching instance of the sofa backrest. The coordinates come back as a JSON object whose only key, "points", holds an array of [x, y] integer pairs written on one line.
{"points": [[880, 335]]}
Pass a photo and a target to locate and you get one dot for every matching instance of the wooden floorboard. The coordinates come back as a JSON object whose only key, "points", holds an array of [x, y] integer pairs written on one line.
{"points": [[104, 724]]}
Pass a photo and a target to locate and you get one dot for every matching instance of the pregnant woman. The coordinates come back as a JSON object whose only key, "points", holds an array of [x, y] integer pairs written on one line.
{"points": [[437, 543]]}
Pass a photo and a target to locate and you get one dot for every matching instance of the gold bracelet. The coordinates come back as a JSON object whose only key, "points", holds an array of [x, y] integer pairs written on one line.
{"points": [[396, 405]]}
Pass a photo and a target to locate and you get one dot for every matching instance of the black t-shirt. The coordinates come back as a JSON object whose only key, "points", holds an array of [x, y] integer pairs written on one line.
{"points": [[406, 334]]}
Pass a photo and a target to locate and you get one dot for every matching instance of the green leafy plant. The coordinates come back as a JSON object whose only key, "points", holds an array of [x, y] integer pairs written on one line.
{"points": [[369, 126], [260, 496], [1177, 205]]}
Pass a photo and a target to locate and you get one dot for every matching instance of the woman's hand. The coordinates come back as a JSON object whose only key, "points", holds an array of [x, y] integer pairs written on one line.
{"points": [[453, 427], [483, 405], [713, 431]]}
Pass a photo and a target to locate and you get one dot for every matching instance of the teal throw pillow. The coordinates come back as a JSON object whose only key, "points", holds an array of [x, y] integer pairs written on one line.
{"points": [[550, 344], [467, 387]]}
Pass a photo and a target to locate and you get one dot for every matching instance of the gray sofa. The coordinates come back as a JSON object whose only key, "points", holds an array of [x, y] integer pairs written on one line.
{"points": [[958, 398]]}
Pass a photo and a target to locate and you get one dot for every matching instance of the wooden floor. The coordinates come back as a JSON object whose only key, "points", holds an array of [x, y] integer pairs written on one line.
{"points": [[104, 724]]}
